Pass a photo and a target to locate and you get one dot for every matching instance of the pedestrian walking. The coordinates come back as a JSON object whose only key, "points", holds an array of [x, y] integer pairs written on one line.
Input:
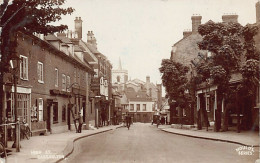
{"points": [[128, 121], [80, 122]]}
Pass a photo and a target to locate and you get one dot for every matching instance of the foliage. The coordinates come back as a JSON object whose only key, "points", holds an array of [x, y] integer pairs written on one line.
{"points": [[224, 41], [29, 16], [34, 15], [175, 80], [250, 68]]}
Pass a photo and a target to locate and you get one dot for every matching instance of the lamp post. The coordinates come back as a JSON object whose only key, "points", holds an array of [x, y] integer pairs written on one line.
{"points": [[15, 65]]}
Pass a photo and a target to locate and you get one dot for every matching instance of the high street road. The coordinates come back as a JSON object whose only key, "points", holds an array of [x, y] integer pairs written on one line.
{"points": [[147, 143]]}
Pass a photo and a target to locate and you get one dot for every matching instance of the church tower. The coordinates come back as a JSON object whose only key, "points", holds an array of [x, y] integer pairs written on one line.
{"points": [[119, 77]]}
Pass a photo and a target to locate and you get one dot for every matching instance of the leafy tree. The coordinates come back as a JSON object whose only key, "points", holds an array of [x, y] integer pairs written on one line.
{"points": [[227, 42], [174, 78], [29, 16]]}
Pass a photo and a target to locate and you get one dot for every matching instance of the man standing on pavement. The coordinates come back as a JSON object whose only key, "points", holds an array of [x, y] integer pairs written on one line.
{"points": [[80, 122]]}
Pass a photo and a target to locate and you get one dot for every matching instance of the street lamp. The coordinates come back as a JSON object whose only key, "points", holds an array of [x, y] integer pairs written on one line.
{"points": [[15, 65]]}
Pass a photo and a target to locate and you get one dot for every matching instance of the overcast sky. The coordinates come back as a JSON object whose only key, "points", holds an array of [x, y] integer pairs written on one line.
{"points": [[142, 32]]}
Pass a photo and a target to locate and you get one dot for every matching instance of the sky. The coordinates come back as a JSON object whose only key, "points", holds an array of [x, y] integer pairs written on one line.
{"points": [[141, 32]]}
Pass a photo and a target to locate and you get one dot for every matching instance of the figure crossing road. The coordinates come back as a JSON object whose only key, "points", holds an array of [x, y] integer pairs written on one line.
{"points": [[128, 121]]}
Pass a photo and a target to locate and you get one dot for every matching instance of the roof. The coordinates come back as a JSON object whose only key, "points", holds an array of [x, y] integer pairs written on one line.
{"points": [[51, 37], [138, 96], [65, 40], [88, 57], [77, 48], [58, 52], [91, 48]]}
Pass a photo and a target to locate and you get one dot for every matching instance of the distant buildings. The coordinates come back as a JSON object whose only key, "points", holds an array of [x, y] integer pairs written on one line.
{"points": [[141, 99]]}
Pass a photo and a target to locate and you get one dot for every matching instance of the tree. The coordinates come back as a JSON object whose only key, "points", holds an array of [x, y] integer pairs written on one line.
{"points": [[174, 78], [223, 40], [29, 16], [249, 71], [227, 42]]}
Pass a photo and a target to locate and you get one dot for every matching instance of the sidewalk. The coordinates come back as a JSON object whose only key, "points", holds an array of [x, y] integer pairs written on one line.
{"points": [[51, 148], [244, 138]]}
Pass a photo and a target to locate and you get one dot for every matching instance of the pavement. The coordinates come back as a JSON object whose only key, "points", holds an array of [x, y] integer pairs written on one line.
{"points": [[55, 147], [244, 138], [51, 148]]}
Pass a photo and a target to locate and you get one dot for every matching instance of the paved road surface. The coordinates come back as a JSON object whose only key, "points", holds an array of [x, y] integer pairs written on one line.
{"points": [[146, 143]]}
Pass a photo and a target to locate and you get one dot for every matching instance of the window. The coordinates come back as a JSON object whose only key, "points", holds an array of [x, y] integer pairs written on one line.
{"points": [[118, 79], [63, 82], [23, 104], [56, 77], [132, 107], [138, 107], [55, 112], [40, 72], [24, 68], [64, 113], [144, 107], [68, 83], [40, 109]]}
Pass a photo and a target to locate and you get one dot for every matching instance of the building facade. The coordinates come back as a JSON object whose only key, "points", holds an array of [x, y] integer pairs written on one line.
{"points": [[51, 84]]}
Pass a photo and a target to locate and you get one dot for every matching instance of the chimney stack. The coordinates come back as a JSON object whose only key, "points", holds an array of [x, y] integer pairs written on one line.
{"points": [[147, 79], [196, 21], [78, 27], [228, 18], [257, 6], [91, 39], [186, 33]]}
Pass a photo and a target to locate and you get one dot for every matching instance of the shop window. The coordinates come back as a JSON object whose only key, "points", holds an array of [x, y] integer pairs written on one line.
{"points": [[40, 109], [64, 113], [55, 113], [23, 104]]}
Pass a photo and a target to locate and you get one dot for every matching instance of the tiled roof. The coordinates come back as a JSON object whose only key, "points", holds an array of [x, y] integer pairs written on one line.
{"points": [[91, 48], [65, 40], [137, 96], [77, 48], [88, 57], [51, 37]]}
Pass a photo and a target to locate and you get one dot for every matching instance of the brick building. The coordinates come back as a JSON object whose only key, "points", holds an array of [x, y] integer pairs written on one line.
{"points": [[187, 52], [52, 78]]}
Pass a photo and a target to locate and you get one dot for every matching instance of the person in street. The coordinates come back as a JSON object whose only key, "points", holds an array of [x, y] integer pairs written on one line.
{"points": [[80, 122], [128, 121], [158, 121], [103, 118]]}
